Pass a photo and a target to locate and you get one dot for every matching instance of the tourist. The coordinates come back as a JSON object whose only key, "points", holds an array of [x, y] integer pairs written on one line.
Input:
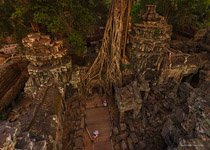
{"points": [[95, 135], [105, 103]]}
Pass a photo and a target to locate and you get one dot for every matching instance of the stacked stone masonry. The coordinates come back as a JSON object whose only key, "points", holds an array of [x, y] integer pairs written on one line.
{"points": [[151, 55], [49, 60], [129, 98], [41, 110]]}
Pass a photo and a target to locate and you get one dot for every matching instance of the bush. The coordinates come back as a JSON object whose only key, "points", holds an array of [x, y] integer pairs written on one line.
{"points": [[77, 43]]}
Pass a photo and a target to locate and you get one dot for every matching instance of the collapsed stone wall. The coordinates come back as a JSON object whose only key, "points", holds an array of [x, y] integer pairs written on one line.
{"points": [[180, 65], [199, 43], [193, 127], [40, 119], [173, 116], [144, 132], [41, 112], [74, 125]]}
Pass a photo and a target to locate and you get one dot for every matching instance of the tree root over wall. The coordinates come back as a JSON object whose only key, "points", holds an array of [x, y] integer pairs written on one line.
{"points": [[105, 71]]}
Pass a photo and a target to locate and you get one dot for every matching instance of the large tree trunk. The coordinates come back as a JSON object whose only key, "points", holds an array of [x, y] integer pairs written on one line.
{"points": [[105, 70]]}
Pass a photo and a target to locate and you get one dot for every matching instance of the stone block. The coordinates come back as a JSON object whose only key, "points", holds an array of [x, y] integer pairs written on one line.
{"points": [[134, 138]]}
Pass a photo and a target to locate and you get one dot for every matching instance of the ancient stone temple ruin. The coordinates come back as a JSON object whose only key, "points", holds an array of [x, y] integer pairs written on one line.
{"points": [[38, 118], [151, 55], [42, 95], [153, 60], [149, 43], [130, 97], [49, 62]]}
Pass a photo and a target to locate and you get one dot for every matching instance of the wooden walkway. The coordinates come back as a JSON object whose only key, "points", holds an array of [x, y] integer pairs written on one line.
{"points": [[98, 118]]}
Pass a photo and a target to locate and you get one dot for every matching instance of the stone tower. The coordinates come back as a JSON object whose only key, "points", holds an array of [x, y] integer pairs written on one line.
{"points": [[148, 44], [49, 63]]}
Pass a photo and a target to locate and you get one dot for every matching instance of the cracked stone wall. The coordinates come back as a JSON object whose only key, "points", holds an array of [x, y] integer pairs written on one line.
{"points": [[49, 61], [149, 43], [40, 111], [40, 120], [151, 55]]}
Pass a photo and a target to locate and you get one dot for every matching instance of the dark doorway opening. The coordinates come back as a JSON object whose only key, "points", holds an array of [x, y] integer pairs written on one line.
{"points": [[193, 79]]}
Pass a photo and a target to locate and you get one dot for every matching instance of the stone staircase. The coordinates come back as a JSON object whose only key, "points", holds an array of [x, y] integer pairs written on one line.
{"points": [[98, 118]]}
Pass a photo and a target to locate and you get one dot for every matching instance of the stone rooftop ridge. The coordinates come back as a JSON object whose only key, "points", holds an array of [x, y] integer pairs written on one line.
{"points": [[152, 15], [41, 50], [41, 45], [152, 28]]}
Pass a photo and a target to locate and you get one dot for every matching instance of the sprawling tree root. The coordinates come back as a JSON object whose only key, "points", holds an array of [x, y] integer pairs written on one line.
{"points": [[105, 71]]}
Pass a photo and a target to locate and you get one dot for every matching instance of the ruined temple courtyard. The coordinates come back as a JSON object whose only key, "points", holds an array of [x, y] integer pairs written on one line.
{"points": [[160, 99]]}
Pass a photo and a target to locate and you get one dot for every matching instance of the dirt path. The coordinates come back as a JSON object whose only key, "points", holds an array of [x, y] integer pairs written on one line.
{"points": [[97, 118]]}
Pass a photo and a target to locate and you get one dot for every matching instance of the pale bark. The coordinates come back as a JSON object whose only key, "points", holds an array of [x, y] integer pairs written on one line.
{"points": [[106, 67]]}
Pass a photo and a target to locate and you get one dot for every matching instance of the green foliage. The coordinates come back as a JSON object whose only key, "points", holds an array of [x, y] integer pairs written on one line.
{"points": [[182, 14], [103, 76], [124, 66], [60, 18], [84, 19], [5, 23], [157, 32], [2, 117], [77, 43], [135, 12]]}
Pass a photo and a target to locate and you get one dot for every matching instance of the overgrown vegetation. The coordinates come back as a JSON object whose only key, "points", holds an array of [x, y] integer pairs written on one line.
{"points": [[2, 117], [77, 43], [72, 20], [184, 15], [67, 19], [124, 66]]}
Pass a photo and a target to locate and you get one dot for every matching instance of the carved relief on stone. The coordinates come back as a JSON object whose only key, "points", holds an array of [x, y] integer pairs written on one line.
{"points": [[149, 39], [49, 61], [151, 55]]}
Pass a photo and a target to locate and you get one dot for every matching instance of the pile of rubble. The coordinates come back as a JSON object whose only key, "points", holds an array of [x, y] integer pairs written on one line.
{"points": [[11, 137], [74, 124], [130, 97], [174, 116], [40, 111], [200, 43], [161, 102], [125, 136], [188, 127], [8, 135], [196, 122]]}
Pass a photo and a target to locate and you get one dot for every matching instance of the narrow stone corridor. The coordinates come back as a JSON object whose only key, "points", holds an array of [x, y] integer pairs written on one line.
{"points": [[98, 118]]}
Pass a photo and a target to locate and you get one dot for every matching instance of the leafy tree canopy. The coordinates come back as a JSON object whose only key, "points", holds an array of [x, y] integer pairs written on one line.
{"points": [[73, 19], [68, 19]]}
